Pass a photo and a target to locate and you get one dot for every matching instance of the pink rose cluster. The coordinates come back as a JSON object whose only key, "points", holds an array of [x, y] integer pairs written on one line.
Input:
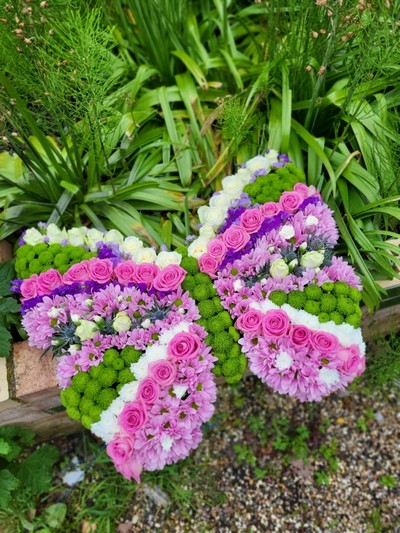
{"points": [[237, 235], [294, 359], [102, 271], [160, 425]]}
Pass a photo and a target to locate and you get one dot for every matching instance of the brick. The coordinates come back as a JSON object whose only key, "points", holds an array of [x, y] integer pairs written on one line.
{"points": [[5, 251], [31, 372], [4, 392]]}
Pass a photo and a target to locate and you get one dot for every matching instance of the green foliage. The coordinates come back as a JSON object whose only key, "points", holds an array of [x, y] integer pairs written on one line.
{"points": [[23, 479], [383, 361], [9, 308]]}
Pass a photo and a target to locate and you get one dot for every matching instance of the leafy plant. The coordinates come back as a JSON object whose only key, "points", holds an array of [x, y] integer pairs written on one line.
{"points": [[384, 361], [9, 308], [23, 479]]}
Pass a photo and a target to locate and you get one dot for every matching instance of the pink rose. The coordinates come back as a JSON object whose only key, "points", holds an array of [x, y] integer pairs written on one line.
{"points": [[130, 469], [270, 209], [125, 272], [100, 270], [324, 342], [132, 417], [216, 248], [120, 449], [148, 391], [250, 321], [236, 237], [163, 372], [145, 273], [300, 335], [48, 281], [275, 323], [78, 272], [290, 201], [302, 189], [251, 220], [351, 359], [208, 264], [29, 287], [170, 278], [183, 346]]}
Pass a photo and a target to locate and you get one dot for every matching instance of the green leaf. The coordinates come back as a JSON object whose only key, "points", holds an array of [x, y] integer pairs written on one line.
{"points": [[8, 483], [5, 447], [55, 514], [35, 472], [5, 337], [7, 274], [9, 305]]}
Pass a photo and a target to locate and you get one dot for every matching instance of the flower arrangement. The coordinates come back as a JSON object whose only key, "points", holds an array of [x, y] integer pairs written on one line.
{"points": [[133, 364], [267, 241]]}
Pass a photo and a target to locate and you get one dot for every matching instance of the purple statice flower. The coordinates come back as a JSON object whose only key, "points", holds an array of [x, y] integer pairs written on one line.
{"points": [[64, 242], [110, 251], [46, 239], [16, 285], [42, 225]]}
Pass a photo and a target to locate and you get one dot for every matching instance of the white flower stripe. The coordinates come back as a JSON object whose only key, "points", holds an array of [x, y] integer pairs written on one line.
{"points": [[346, 333], [107, 427]]}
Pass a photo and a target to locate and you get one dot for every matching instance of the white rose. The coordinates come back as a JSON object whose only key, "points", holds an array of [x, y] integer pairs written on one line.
{"points": [[33, 236], [303, 246], [232, 185], [293, 263], [75, 318], [198, 247], [168, 258], [207, 231], [86, 330], [92, 237], [113, 236], [279, 269], [121, 322], [75, 237], [311, 220], [146, 323], [144, 255], [244, 175], [312, 259], [221, 199], [131, 245], [56, 235], [283, 361], [287, 232], [258, 163], [273, 155], [214, 216]]}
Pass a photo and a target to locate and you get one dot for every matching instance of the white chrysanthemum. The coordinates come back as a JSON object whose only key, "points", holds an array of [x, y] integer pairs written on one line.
{"points": [[107, 427], [168, 258], [283, 361], [116, 406], [179, 390], [166, 442], [33, 236], [144, 255], [198, 247], [140, 368], [128, 391], [156, 352], [329, 376], [232, 185], [287, 232], [167, 336]]}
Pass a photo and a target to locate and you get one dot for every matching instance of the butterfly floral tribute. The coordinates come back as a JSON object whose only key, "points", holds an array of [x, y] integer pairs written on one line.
{"points": [[267, 241], [132, 361]]}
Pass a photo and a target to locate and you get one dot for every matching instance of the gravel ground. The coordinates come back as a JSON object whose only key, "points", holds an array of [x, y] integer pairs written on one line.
{"points": [[339, 472]]}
